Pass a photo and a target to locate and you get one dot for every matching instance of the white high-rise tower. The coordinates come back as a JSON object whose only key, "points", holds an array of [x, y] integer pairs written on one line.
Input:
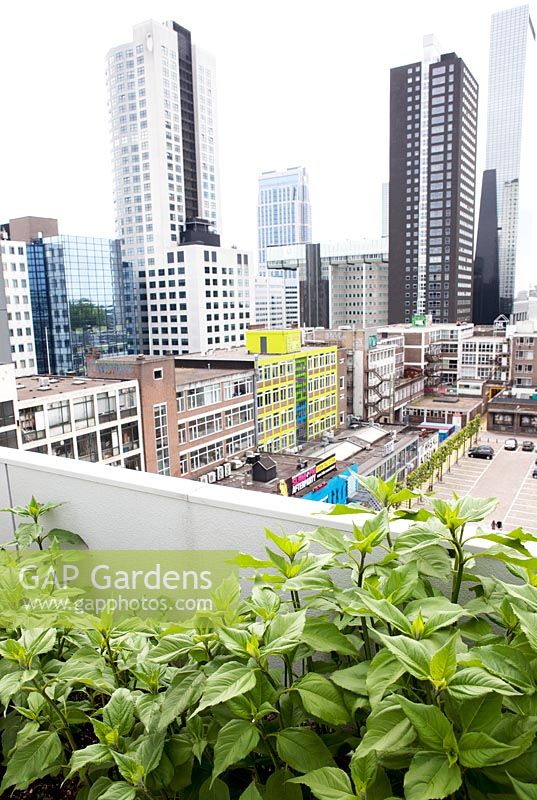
{"points": [[512, 46], [162, 109]]}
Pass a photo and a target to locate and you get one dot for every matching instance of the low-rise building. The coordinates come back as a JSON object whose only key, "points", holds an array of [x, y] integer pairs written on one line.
{"points": [[195, 419], [300, 392], [330, 472], [443, 409], [88, 419], [523, 339], [379, 386], [513, 411]]}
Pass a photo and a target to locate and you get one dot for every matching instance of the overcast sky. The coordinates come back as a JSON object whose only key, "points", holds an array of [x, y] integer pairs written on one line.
{"points": [[299, 83]]}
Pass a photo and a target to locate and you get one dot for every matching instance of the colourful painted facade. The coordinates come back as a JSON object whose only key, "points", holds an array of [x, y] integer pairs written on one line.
{"points": [[297, 389]]}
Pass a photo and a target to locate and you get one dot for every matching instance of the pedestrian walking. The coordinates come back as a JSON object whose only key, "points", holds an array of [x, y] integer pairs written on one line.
{"points": [[493, 525], [499, 524]]}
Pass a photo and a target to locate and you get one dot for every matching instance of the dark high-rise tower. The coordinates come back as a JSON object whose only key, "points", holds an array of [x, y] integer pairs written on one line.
{"points": [[433, 130], [486, 305]]}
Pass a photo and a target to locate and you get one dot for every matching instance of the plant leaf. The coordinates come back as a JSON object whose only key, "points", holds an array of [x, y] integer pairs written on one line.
{"points": [[326, 637], [93, 754], [328, 783], [119, 711], [32, 760], [119, 790], [230, 680], [234, 742], [385, 669], [279, 786], [303, 749], [474, 682], [524, 791], [322, 699], [430, 775], [433, 728], [388, 730], [481, 750], [413, 655]]}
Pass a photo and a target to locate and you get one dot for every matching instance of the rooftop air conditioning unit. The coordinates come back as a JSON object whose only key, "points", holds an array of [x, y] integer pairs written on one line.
{"points": [[43, 383], [236, 463], [204, 479], [211, 477], [78, 382], [220, 472], [227, 470]]}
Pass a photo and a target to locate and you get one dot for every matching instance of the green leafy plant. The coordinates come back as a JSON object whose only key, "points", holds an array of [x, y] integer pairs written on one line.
{"points": [[33, 533], [359, 666]]}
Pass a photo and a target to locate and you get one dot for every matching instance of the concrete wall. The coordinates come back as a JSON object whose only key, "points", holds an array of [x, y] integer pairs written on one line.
{"points": [[113, 508]]}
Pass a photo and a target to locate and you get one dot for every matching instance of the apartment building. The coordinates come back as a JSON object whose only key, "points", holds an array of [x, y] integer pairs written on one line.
{"points": [[195, 419], [82, 418], [378, 383], [300, 392], [484, 358], [215, 420], [14, 274], [433, 134], [523, 340]]}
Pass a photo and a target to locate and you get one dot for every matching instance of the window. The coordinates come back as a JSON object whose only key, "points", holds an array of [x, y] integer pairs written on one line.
{"points": [[32, 421], [87, 447], [106, 406], [237, 388], [7, 414], [181, 429], [203, 396], [240, 442], [130, 438], [161, 438], [9, 439], [109, 442], [84, 412], [63, 449], [127, 402], [59, 417], [205, 426], [206, 455], [180, 401], [157, 375], [239, 415]]}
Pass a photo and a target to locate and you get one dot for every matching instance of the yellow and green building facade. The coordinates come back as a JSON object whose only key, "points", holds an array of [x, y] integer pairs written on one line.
{"points": [[297, 388]]}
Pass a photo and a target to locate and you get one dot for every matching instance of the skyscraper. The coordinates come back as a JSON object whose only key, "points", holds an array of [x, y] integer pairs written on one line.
{"points": [[162, 109], [512, 47], [433, 129], [283, 209], [486, 295]]}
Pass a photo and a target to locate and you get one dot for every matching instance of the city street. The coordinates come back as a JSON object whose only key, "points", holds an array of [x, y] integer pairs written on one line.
{"points": [[507, 477]]}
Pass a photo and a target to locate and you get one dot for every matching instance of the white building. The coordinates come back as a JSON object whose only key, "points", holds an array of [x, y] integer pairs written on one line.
{"points": [[18, 305], [162, 111], [81, 418], [276, 299], [484, 358], [283, 209], [211, 304], [511, 98], [525, 306]]}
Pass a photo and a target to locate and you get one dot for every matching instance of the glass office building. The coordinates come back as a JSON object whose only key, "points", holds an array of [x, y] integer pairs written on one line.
{"points": [[510, 143], [283, 210], [82, 299]]}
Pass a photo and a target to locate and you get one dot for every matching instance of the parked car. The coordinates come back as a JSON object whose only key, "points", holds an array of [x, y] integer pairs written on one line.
{"points": [[528, 446], [534, 473], [481, 451], [510, 444]]}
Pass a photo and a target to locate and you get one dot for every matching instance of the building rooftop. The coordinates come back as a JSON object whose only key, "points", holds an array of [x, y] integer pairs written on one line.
{"points": [[186, 375], [518, 397], [37, 387], [365, 446], [446, 402], [131, 359]]}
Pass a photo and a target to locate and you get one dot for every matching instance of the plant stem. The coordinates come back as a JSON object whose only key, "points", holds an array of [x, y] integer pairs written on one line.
{"points": [[296, 600], [59, 714], [458, 571], [112, 659], [365, 637]]}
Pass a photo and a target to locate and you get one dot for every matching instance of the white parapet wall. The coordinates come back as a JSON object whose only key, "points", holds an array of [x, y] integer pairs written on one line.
{"points": [[116, 508]]}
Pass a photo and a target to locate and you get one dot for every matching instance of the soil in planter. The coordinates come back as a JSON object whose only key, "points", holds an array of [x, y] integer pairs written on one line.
{"points": [[47, 789]]}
